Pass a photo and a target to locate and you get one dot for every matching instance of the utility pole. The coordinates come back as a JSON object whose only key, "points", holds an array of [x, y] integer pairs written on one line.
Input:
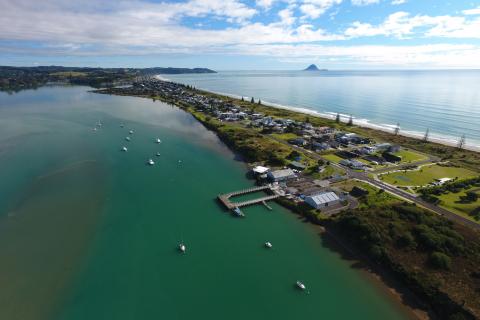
{"points": [[425, 137], [397, 129], [461, 142]]}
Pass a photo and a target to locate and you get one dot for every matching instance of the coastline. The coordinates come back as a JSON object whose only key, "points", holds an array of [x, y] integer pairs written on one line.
{"points": [[378, 276], [362, 123]]}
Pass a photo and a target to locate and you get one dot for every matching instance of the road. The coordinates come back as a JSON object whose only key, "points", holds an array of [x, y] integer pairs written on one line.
{"points": [[362, 176]]}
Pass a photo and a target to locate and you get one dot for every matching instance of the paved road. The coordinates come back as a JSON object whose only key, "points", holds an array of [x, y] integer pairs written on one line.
{"points": [[362, 176]]}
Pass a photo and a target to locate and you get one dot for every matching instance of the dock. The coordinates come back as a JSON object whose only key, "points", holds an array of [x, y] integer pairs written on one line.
{"points": [[225, 198]]}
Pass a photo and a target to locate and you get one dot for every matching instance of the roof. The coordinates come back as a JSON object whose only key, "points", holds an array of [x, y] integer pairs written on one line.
{"points": [[325, 197], [281, 173], [297, 164], [260, 169]]}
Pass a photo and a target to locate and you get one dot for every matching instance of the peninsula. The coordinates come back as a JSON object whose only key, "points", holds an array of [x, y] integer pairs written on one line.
{"points": [[406, 205]]}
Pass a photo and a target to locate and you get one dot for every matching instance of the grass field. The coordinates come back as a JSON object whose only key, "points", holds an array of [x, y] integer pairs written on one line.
{"points": [[285, 136], [426, 175], [332, 157], [375, 197], [409, 156], [450, 202]]}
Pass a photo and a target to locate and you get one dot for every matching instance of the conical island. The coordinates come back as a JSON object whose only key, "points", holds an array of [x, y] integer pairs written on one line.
{"points": [[313, 67]]}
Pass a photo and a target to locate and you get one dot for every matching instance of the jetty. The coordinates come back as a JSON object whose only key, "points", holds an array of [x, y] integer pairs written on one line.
{"points": [[230, 205]]}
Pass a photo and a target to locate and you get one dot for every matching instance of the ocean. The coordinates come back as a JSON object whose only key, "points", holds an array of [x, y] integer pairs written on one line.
{"points": [[447, 103]]}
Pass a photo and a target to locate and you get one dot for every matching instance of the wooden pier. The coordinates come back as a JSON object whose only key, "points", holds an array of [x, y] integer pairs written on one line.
{"points": [[225, 198]]}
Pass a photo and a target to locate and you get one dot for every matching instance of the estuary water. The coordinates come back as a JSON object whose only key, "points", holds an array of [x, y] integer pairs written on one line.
{"points": [[90, 232], [445, 102]]}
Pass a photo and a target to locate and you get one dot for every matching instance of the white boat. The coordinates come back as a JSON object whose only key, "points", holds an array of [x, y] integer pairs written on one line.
{"points": [[158, 154], [122, 125], [158, 141], [182, 247], [268, 245], [95, 129], [300, 285], [131, 132], [150, 162], [127, 138], [124, 149]]}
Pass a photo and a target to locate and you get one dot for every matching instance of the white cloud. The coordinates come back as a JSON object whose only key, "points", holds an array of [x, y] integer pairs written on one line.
{"points": [[472, 12], [403, 25], [266, 4], [398, 2], [312, 9], [364, 2]]}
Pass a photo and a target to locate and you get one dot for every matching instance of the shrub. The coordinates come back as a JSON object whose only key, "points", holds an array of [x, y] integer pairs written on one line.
{"points": [[440, 260]]}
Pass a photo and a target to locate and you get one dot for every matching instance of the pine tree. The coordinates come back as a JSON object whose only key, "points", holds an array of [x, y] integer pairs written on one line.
{"points": [[397, 129], [350, 121], [461, 142], [425, 137], [259, 101], [337, 119], [252, 100], [243, 99]]}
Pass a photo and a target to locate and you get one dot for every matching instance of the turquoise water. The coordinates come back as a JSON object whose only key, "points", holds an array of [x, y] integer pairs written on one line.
{"points": [[90, 232], [446, 102]]}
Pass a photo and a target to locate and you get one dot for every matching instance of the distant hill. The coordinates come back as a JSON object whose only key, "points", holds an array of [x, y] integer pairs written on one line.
{"points": [[177, 70], [313, 67]]}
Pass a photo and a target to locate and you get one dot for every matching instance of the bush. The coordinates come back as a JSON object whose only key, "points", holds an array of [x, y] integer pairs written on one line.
{"points": [[440, 260]]}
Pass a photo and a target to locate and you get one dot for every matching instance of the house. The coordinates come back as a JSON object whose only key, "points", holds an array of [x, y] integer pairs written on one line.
{"points": [[281, 175], [441, 181], [383, 147], [259, 170], [298, 142], [354, 164], [297, 165], [322, 200], [394, 148]]}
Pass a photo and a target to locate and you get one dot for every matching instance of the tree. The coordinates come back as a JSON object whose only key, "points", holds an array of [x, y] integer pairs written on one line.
{"points": [[307, 119], [440, 260], [243, 99], [337, 119], [259, 101], [252, 100], [350, 121]]}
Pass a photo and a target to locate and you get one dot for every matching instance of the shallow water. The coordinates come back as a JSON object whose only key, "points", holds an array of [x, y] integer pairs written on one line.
{"points": [[90, 232]]}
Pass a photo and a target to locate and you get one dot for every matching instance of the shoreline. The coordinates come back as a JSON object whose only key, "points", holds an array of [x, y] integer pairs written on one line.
{"points": [[376, 275], [362, 123]]}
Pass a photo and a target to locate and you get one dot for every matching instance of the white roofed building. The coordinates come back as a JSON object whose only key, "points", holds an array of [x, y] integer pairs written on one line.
{"points": [[322, 200], [281, 175]]}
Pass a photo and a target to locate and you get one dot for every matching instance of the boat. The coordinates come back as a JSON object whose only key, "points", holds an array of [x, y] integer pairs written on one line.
{"points": [[131, 132], [122, 125], [150, 162], [95, 129], [300, 285], [158, 141], [124, 149], [158, 154], [182, 247], [237, 212], [268, 245], [127, 138]]}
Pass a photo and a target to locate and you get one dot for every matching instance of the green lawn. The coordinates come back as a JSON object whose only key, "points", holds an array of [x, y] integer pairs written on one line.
{"points": [[332, 157], [375, 197], [329, 171], [410, 156], [449, 202], [426, 175], [285, 136]]}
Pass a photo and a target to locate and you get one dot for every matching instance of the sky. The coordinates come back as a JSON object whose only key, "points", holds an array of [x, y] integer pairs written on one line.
{"points": [[242, 34]]}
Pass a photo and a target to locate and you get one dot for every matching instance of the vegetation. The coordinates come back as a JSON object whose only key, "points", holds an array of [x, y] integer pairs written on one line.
{"points": [[14, 79], [426, 175], [436, 259]]}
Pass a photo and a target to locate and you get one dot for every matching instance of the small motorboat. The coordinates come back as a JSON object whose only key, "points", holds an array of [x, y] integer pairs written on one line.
{"points": [[268, 245], [182, 247], [127, 138], [237, 212], [150, 162], [158, 154], [122, 125], [131, 131], [300, 285], [124, 149], [95, 129], [158, 140]]}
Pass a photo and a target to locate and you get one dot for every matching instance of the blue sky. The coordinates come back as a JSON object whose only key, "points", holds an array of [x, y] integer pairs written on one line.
{"points": [[236, 34]]}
